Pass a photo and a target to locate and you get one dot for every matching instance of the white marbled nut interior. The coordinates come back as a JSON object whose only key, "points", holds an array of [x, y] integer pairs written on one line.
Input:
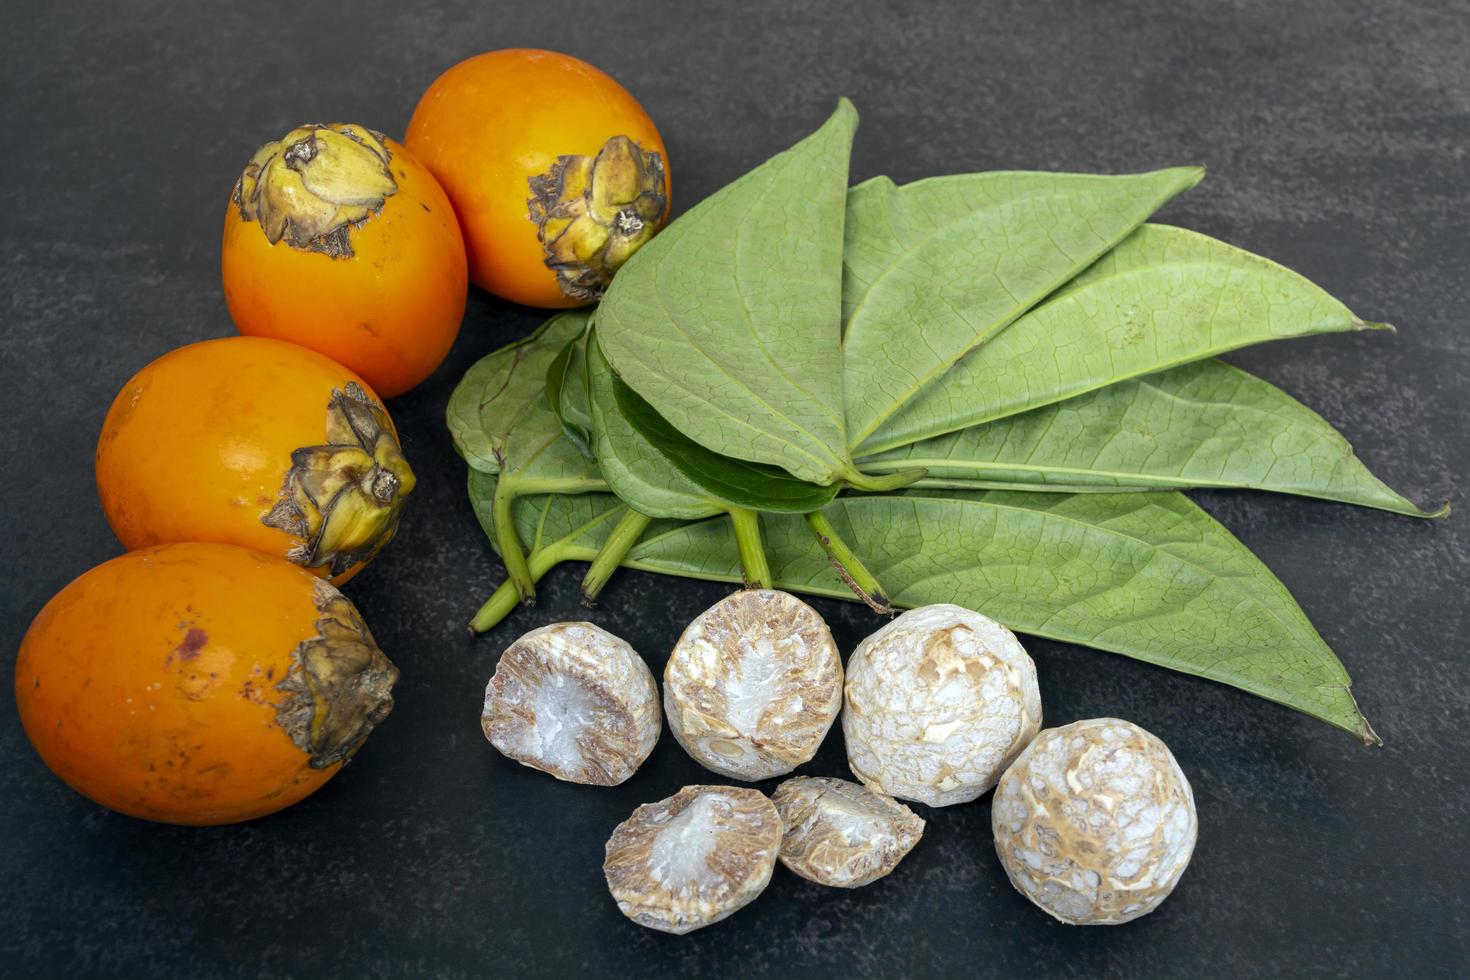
{"points": [[753, 685], [1095, 822], [843, 834], [694, 858], [939, 702], [573, 700]]}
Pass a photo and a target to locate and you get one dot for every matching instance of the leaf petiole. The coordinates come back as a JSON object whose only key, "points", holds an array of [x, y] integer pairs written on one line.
{"points": [[882, 484], [624, 536], [508, 543], [862, 582], [526, 486], [503, 601], [753, 565]]}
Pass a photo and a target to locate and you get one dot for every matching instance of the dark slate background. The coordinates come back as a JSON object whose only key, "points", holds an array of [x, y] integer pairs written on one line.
{"points": [[1336, 135]]}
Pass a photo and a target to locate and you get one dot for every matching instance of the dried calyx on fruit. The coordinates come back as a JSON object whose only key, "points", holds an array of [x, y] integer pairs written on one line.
{"points": [[340, 685], [575, 701], [315, 183], [939, 702], [694, 858], [841, 834], [753, 685], [343, 499], [1095, 822], [593, 212]]}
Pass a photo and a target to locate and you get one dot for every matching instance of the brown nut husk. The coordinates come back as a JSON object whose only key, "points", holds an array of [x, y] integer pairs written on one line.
{"points": [[842, 834], [939, 702], [753, 685], [1095, 822], [573, 700], [691, 860]]}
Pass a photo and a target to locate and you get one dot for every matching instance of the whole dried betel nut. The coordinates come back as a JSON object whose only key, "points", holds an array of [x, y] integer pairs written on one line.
{"points": [[939, 702], [842, 834], [682, 863], [753, 685], [573, 700], [1095, 822]]}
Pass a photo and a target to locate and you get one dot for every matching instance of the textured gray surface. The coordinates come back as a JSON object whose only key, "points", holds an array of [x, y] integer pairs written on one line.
{"points": [[1336, 134]]}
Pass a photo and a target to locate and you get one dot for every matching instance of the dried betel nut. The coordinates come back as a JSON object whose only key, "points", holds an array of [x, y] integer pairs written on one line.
{"points": [[939, 702], [753, 685], [682, 863], [573, 700], [1095, 822], [840, 833]]}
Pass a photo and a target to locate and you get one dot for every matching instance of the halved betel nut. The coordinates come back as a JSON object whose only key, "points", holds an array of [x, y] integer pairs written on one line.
{"points": [[693, 859], [939, 702], [841, 834], [753, 685], [1095, 822], [575, 701]]}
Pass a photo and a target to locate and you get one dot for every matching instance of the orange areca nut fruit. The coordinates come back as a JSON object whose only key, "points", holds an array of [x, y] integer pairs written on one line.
{"points": [[556, 172], [337, 239], [257, 443], [199, 683]]}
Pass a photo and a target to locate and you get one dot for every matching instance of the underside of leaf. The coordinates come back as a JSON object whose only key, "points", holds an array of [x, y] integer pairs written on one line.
{"points": [[1205, 424], [729, 322], [934, 269], [1162, 298]]}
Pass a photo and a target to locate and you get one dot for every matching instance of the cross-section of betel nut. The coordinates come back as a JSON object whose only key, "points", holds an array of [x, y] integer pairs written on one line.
{"points": [[753, 685], [573, 700], [840, 833], [694, 858], [939, 702], [1095, 822]]}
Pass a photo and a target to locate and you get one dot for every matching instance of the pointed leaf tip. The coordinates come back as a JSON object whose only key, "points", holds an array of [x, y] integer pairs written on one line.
{"points": [[1193, 173], [1366, 734], [1370, 325]]}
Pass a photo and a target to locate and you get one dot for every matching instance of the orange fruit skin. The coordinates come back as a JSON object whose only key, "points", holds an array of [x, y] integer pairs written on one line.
{"points": [[149, 684], [489, 124], [390, 311], [197, 445]]}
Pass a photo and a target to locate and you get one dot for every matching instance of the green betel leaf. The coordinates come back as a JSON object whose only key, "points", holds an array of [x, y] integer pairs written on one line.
{"points": [[1205, 424], [1148, 575], [503, 388], [1162, 298], [729, 322], [634, 469], [566, 391], [935, 268], [730, 482]]}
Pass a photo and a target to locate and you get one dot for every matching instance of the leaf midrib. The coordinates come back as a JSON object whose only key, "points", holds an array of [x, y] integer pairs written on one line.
{"points": [[741, 240]]}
